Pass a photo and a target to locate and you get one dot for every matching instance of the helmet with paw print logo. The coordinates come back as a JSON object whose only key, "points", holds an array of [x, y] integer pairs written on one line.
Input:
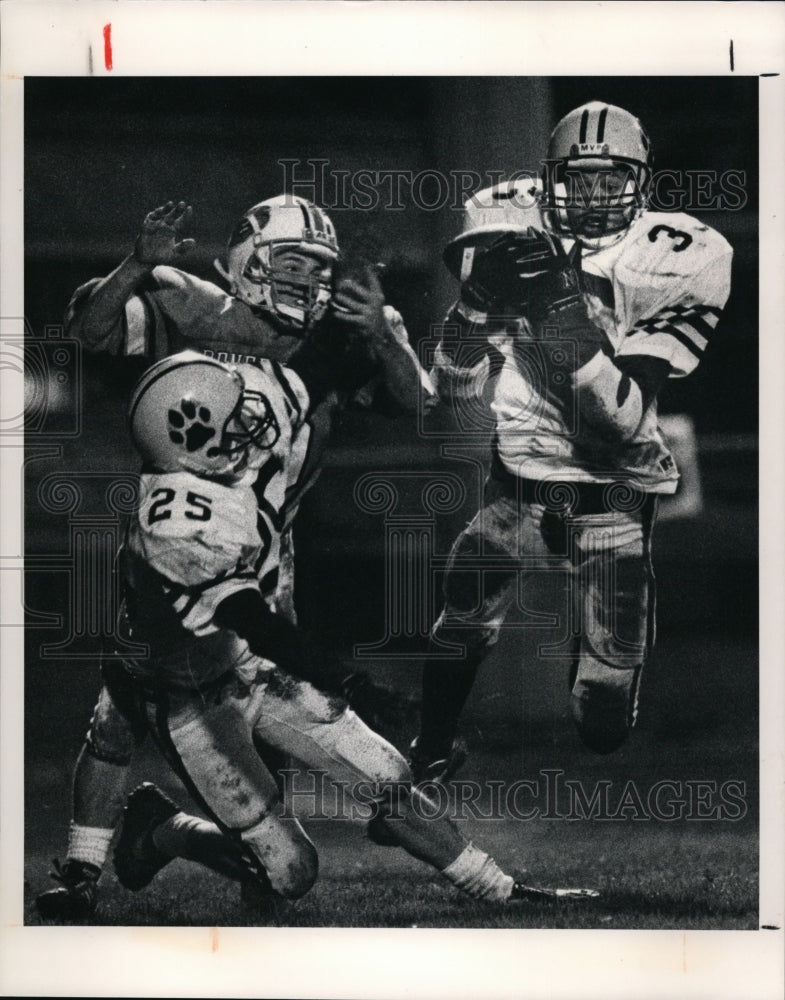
{"points": [[193, 413]]}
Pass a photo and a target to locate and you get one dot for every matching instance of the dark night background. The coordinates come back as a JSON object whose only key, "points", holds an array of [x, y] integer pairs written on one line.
{"points": [[101, 153]]}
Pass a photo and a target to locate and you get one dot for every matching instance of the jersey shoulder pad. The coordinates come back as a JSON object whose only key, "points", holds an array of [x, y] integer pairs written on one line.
{"points": [[186, 311], [672, 281], [671, 244]]}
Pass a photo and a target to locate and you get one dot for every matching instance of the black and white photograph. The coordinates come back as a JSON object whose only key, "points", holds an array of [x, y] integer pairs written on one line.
{"points": [[394, 479]]}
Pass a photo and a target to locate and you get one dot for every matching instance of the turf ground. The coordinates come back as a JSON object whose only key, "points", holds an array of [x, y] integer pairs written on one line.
{"points": [[652, 872], [697, 731]]}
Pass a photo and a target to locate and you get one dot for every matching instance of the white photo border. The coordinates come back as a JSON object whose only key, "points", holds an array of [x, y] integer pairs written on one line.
{"points": [[156, 38]]}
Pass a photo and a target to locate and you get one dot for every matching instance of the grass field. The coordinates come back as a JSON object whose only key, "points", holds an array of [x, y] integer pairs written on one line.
{"points": [[698, 724], [688, 873], [674, 880]]}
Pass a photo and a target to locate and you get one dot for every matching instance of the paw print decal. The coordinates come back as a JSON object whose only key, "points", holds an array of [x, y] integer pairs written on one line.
{"points": [[190, 425]]}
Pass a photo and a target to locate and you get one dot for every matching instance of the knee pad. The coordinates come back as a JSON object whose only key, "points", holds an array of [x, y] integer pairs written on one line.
{"points": [[604, 703], [285, 853], [314, 707]]}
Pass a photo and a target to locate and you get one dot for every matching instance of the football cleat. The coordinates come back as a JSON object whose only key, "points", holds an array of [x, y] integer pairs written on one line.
{"points": [[136, 858], [432, 767], [76, 897], [535, 894]]}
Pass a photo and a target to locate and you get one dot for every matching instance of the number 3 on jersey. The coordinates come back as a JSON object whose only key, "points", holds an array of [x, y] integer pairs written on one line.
{"points": [[680, 240], [197, 507]]}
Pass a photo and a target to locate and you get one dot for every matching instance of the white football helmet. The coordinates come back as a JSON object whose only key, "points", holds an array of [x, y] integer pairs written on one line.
{"points": [[509, 207], [193, 413], [284, 222], [597, 174]]}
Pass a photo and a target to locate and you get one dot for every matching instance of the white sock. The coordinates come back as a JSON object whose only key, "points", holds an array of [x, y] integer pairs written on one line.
{"points": [[89, 843], [478, 875]]}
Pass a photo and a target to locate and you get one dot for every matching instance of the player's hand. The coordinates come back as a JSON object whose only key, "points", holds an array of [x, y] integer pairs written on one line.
{"points": [[378, 707], [159, 240], [359, 305], [524, 274], [560, 320]]}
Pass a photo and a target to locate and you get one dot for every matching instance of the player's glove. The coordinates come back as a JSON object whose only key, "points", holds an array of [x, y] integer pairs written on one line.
{"points": [[527, 274], [159, 240], [378, 707], [357, 306], [561, 321]]}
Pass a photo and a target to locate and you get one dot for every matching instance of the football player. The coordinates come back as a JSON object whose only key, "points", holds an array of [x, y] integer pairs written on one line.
{"points": [[584, 302], [279, 267], [223, 665]]}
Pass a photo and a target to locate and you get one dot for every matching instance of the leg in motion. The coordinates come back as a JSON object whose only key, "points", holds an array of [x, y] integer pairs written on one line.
{"points": [[327, 736], [100, 778], [616, 581], [479, 588], [246, 837]]}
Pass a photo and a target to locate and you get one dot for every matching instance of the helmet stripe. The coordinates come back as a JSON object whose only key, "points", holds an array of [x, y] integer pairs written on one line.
{"points": [[584, 126], [319, 219], [306, 216], [601, 124]]}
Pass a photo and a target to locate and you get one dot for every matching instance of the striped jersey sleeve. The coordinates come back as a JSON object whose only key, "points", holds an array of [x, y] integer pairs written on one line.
{"points": [[467, 355], [680, 332], [142, 328], [169, 310]]}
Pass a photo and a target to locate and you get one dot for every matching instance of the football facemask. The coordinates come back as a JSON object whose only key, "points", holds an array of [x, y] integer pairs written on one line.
{"points": [[274, 230], [597, 175], [192, 413]]}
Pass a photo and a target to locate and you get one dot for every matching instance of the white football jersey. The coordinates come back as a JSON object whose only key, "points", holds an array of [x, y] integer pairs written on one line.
{"points": [[172, 310], [658, 292], [195, 541], [661, 289]]}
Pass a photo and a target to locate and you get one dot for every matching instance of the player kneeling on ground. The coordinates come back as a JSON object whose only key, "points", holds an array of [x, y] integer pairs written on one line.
{"points": [[191, 564], [284, 289]]}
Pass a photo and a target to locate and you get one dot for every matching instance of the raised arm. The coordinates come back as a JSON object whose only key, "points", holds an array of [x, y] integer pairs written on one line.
{"points": [[97, 313]]}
